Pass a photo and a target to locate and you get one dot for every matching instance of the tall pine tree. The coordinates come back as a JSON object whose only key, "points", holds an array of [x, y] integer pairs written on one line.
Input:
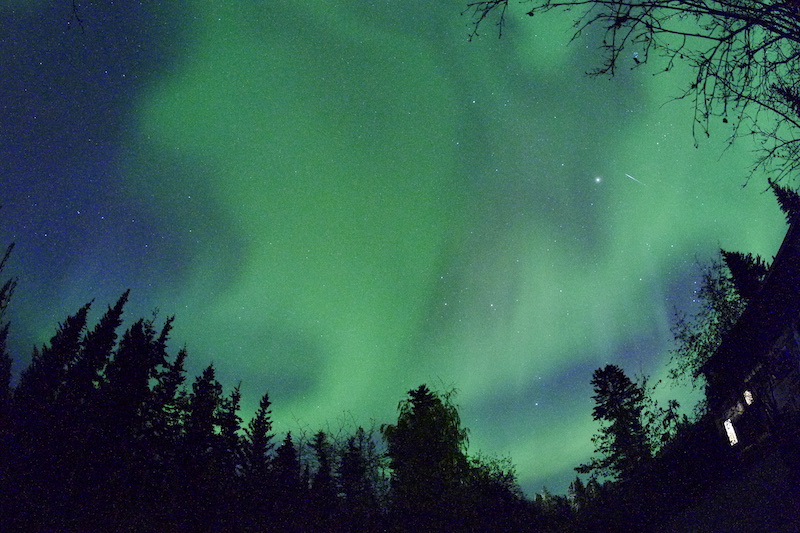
{"points": [[427, 454], [257, 449], [747, 272], [323, 493], [622, 442], [289, 496]]}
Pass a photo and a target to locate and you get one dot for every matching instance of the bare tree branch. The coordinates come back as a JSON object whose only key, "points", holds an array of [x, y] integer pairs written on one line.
{"points": [[745, 55]]}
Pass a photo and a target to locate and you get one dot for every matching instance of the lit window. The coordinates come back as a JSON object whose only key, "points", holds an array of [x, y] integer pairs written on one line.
{"points": [[731, 432], [748, 397]]}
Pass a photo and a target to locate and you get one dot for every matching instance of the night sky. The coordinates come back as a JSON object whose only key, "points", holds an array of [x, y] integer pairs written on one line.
{"points": [[342, 200]]}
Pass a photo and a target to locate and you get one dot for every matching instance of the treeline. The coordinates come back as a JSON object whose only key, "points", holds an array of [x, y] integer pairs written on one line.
{"points": [[103, 433]]}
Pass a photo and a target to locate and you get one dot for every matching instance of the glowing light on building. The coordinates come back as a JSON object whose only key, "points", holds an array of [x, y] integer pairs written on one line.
{"points": [[748, 397], [732, 438]]}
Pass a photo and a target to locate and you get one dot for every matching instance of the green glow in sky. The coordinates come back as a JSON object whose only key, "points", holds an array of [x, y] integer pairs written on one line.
{"points": [[392, 205]]}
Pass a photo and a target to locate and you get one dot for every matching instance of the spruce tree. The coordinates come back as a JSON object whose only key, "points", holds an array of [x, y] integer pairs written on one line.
{"points": [[6, 290], [257, 446], [200, 477], [127, 388], [747, 272], [622, 442], [42, 381], [426, 450], [230, 440], [204, 401], [358, 477], [40, 450], [168, 403], [289, 489], [85, 373], [789, 201], [228, 455], [577, 494], [323, 490], [166, 409]]}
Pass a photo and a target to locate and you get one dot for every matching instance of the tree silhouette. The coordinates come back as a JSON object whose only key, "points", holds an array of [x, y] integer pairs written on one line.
{"points": [[323, 493], [6, 290], [788, 200], [41, 382], [104, 436], [697, 337], [622, 442], [228, 458], [167, 406], [38, 424], [199, 445], [426, 450], [85, 373], [230, 440], [6, 433], [747, 272], [257, 448], [128, 374], [357, 482], [743, 55], [289, 491], [166, 411], [495, 501]]}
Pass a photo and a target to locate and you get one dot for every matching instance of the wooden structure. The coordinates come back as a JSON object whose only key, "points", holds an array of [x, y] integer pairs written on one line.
{"points": [[753, 378]]}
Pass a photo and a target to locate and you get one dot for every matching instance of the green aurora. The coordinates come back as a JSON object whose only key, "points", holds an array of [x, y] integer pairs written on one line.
{"points": [[365, 201]]}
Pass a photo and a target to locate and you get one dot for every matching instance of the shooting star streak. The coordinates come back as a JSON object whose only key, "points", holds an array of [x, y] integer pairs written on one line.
{"points": [[634, 179]]}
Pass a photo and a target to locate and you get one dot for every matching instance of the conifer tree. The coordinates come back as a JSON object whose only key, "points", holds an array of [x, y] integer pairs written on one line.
{"points": [[426, 450], [257, 446], [201, 418], [789, 201], [6, 290], [38, 414], [257, 449], [747, 272], [200, 476], [127, 388], [622, 442], [5, 394], [289, 490], [85, 373], [358, 477], [165, 409], [38, 423], [228, 460], [322, 490], [41, 382], [577, 494], [230, 439], [168, 402]]}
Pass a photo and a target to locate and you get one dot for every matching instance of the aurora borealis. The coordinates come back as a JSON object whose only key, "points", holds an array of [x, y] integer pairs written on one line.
{"points": [[342, 200]]}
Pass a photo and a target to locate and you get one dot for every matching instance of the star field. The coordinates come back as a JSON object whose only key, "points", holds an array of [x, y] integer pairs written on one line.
{"points": [[341, 201]]}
